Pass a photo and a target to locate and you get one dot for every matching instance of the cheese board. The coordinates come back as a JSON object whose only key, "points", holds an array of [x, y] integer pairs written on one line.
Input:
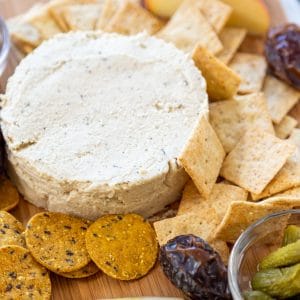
{"points": [[100, 286]]}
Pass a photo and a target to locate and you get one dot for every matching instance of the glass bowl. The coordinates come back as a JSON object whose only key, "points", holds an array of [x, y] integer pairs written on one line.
{"points": [[261, 238], [4, 45]]}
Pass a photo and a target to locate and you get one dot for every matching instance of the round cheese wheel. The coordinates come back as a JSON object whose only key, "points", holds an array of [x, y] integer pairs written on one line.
{"points": [[94, 123]]}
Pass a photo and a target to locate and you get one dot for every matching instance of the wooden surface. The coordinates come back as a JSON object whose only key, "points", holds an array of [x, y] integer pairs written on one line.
{"points": [[100, 286]]}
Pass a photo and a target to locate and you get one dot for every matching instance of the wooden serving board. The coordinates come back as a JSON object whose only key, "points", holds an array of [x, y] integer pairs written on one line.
{"points": [[101, 286]]}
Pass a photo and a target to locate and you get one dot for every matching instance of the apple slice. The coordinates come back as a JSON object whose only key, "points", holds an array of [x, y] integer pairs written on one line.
{"points": [[162, 8], [250, 14]]}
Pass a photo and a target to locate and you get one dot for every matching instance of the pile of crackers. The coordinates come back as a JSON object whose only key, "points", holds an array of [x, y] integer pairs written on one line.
{"points": [[73, 248], [54, 242], [45, 20], [244, 158]]}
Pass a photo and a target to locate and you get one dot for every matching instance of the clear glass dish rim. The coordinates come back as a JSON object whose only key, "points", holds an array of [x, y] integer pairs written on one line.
{"points": [[241, 246], [4, 51]]}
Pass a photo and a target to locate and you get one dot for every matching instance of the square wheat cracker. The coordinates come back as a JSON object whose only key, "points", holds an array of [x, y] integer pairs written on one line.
{"points": [[240, 215], [188, 27], [281, 98], [56, 8], [220, 198], [252, 69], [202, 157], [23, 47], [200, 225], [291, 197], [285, 127], [131, 18], [110, 7], [289, 176], [190, 198], [216, 12], [222, 82], [23, 33], [45, 24], [82, 16], [41, 19], [231, 119], [231, 38], [256, 159]]}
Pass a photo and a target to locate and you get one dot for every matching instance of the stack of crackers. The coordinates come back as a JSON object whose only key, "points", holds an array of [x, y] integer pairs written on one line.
{"points": [[244, 159]]}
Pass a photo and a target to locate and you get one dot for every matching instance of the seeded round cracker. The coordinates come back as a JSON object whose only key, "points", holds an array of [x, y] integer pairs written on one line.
{"points": [[122, 246], [88, 270], [21, 277], [9, 196], [11, 230], [57, 241]]}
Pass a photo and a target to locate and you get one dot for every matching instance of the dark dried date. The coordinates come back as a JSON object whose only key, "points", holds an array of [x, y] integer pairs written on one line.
{"points": [[194, 267], [282, 50]]}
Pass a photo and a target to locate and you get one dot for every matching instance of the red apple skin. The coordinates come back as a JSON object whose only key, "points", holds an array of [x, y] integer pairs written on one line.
{"points": [[250, 14], [162, 8]]}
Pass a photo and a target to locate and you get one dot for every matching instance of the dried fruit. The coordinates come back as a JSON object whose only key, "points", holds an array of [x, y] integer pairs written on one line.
{"points": [[193, 266], [282, 50]]}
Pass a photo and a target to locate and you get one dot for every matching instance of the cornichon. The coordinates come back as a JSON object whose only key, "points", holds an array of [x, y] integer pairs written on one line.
{"points": [[284, 256], [291, 235], [257, 295], [279, 283]]}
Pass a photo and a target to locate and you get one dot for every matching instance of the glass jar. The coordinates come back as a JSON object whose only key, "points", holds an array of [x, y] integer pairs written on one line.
{"points": [[4, 45], [261, 238]]}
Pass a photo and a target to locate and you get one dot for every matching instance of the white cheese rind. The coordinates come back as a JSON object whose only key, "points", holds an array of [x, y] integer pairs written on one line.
{"points": [[94, 123]]}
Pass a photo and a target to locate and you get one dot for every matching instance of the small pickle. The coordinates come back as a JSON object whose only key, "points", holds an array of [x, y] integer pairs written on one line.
{"points": [[280, 283], [284, 256], [257, 295], [291, 235]]}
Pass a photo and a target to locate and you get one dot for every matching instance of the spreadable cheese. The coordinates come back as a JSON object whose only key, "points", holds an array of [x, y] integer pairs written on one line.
{"points": [[94, 123]]}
